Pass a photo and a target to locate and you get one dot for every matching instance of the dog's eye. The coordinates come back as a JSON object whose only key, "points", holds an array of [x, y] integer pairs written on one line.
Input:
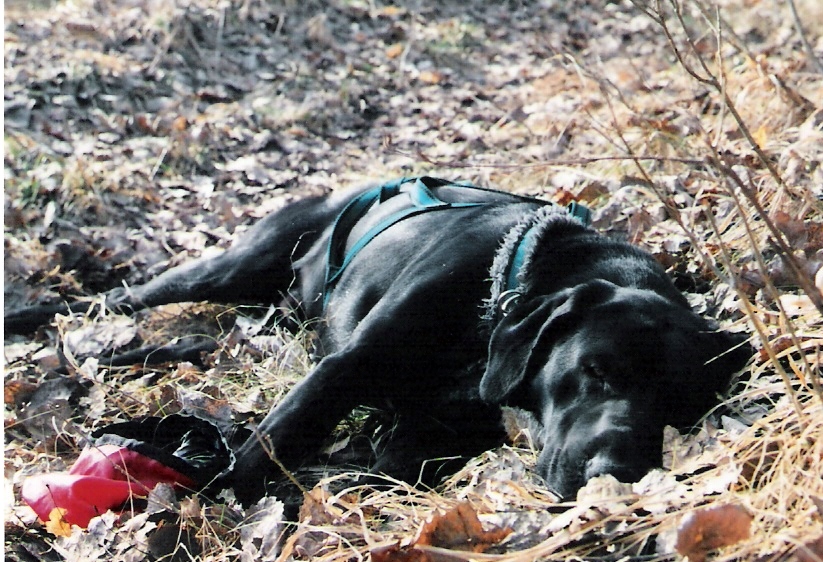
{"points": [[596, 374]]}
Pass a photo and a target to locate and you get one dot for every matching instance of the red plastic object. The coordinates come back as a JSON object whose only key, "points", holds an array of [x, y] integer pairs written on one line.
{"points": [[102, 478]]}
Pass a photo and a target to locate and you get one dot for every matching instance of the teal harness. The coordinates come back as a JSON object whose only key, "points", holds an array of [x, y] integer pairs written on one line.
{"points": [[423, 200]]}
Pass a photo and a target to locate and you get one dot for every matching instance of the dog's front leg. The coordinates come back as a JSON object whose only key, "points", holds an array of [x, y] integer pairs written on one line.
{"points": [[297, 426]]}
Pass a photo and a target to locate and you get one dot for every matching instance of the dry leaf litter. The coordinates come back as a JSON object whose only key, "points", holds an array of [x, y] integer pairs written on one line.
{"points": [[140, 134]]}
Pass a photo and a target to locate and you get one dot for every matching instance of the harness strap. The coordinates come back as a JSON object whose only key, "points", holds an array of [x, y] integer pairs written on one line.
{"points": [[576, 210], [422, 200], [519, 257], [580, 212]]}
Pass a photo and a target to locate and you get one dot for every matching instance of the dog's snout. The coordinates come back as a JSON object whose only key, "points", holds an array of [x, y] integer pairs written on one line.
{"points": [[602, 464], [625, 453]]}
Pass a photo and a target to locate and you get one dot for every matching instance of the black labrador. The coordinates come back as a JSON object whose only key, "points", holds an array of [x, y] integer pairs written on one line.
{"points": [[443, 301]]}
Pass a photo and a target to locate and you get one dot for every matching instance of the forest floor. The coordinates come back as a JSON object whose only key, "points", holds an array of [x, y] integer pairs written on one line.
{"points": [[140, 134]]}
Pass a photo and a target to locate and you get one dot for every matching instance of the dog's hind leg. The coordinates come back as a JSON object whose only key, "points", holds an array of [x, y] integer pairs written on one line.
{"points": [[256, 269]]}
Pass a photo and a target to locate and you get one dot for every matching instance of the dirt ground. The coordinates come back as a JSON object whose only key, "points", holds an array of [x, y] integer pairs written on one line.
{"points": [[140, 134]]}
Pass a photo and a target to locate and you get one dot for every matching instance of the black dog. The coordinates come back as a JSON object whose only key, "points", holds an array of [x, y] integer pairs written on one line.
{"points": [[441, 302]]}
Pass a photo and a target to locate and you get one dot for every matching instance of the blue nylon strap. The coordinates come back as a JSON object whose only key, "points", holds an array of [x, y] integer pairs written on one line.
{"points": [[356, 208], [422, 200], [576, 210], [517, 260], [580, 212]]}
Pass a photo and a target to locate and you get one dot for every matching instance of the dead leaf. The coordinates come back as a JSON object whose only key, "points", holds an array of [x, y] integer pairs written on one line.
{"points": [[57, 524], [180, 124], [96, 338], [189, 240], [47, 359], [390, 11], [711, 528], [17, 392], [793, 228], [16, 351], [460, 529], [430, 77], [761, 136], [603, 489], [639, 223], [263, 529], [319, 32], [563, 197], [317, 510], [217, 410], [167, 402], [397, 553], [395, 50], [797, 305], [592, 191], [51, 406]]}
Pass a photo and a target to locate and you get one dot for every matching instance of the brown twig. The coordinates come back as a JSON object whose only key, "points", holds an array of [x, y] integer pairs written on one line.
{"points": [[805, 40], [709, 79], [546, 163], [749, 309]]}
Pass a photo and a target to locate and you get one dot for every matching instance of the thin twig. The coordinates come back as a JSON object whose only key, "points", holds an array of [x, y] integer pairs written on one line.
{"points": [[805, 40], [749, 310], [738, 42], [711, 80], [547, 163]]}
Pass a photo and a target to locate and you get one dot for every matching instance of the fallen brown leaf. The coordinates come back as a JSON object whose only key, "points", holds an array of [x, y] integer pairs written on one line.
{"points": [[316, 510], [711, 528], [460, 529], [397, 553], [431, 77], [16, 392], [395, 50]]}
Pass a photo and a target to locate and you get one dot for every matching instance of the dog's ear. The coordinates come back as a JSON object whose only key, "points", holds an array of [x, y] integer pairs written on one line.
{"points": [[724, 354], [730, 353], [701, 360], [517, 336], [511, 345]]}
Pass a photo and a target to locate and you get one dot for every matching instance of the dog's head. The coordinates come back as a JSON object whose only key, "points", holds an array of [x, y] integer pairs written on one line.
{"points": [[605, 369]]}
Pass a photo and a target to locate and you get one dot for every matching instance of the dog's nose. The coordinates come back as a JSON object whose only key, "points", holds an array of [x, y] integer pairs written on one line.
{"points": [[602, 464]]}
